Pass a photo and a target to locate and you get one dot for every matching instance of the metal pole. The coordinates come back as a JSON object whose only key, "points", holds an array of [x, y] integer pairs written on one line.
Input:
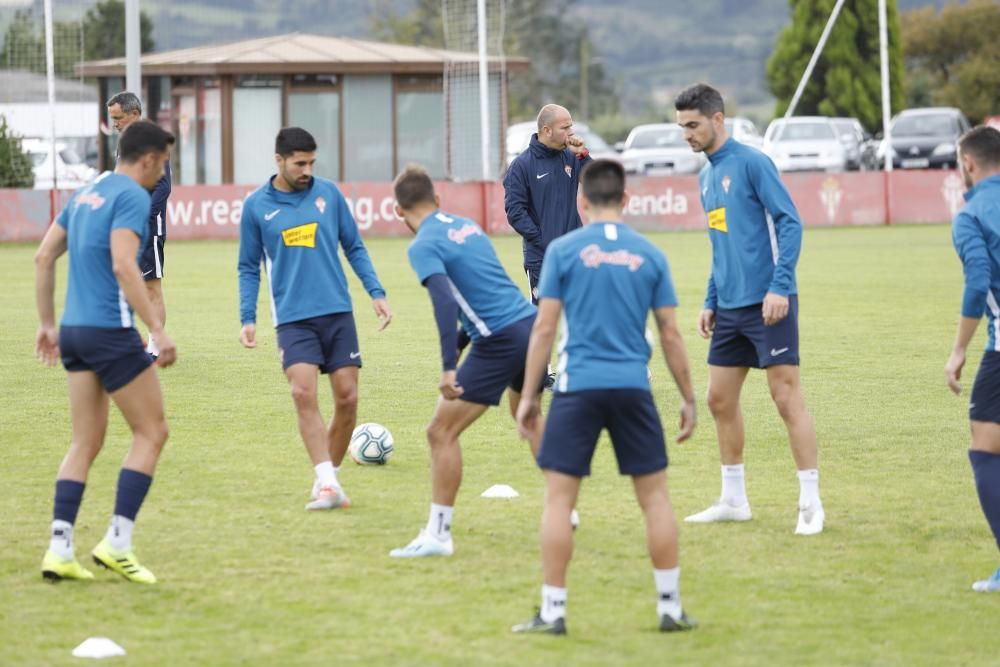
{"points": [[50, 79], [133, 42], [883, 48], [484, 91], [815, 56]]}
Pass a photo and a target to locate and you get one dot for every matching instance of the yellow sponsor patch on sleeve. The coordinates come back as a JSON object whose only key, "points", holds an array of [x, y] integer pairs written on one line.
{"points": [[717, 219], [303, 235]]}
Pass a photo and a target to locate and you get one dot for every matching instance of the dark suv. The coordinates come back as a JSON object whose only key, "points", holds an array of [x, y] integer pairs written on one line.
{"points": [[926, 138]]}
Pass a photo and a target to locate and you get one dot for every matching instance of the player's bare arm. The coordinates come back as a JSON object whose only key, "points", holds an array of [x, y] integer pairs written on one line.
{"points": [[543, 334], [53, 246], [675, 353], [382, 312], [956, 361]]}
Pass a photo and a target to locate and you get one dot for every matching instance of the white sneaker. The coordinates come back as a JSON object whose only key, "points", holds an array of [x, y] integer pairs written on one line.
{"points": [[314, 494], [810, 521], [574, 519], [722, 511], [328, 498], [424, 545]]}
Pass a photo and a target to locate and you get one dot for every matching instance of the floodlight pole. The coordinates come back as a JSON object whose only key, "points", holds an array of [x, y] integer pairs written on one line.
{"points": [[50, 80], [815, 56], [133, 39], [484, 91], [883, 48]]}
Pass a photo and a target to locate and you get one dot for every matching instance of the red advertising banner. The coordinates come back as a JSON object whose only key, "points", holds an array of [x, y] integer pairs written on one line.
{"points": [[654, 204]]}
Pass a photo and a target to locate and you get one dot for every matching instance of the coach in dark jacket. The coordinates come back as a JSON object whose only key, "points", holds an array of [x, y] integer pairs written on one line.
{"points": [[540, 188]]}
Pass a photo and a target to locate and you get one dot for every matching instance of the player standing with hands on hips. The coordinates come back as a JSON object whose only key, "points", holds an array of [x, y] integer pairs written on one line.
{"points": [[976, 234], [751, 307]]}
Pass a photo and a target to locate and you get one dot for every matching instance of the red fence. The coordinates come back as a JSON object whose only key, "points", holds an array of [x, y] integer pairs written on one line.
{"points": [[655, 203]]}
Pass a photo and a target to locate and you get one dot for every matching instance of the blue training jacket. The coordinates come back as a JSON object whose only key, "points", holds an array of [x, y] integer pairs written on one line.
{"points": [[755, 230], [296, 235], [540, 196], [976, 235]]}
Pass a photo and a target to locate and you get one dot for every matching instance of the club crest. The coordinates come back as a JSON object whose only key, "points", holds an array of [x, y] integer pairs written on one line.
{"points": [[321, 204], [726, 182], [569, 171]]}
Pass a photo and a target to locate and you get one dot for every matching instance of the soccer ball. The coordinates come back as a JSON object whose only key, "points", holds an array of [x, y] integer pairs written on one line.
{"points": [[371, 444]]}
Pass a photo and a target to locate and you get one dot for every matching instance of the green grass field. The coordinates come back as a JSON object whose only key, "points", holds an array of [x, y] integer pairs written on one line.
{"points": [[248, 577]]}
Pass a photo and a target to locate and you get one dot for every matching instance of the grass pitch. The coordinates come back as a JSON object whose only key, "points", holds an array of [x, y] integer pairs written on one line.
{"points": [[249, 578]]}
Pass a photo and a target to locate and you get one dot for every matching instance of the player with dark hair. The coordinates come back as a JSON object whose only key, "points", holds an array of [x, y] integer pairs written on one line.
{"points": [[455, 260], [976, 234], [102, 228], [294, 224], [124, 109], [603, 280], [751, 307]]}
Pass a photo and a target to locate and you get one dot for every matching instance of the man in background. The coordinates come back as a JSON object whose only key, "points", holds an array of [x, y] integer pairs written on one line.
{"points": [[124, 109], [540, 190]]}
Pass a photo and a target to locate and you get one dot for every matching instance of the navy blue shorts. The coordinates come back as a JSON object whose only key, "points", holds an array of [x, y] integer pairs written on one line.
{"points": [[327, 341], [495, 363], [741, 340], [984, 404], [117, 356], [577, 418], [151, 258]]}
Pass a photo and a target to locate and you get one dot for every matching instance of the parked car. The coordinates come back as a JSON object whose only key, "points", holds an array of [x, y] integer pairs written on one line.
{"points": [[659, 148], [853, 136], [519, 135], [804, 143], [925, 138], [71, 171], [744, 131]]}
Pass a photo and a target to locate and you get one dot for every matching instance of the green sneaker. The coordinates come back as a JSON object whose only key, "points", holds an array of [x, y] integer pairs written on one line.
{"points": [[125, 564], [537, 626], [56, 568], [671, 624]]}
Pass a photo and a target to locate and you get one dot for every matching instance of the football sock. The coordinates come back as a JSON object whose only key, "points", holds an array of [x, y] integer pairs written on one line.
{"points": [[986, 467], [326, 474], [734, 490], [439, 522], [61, 540], [132, 489], [69, 495], [668, 592], [553, 603], [809, 489], [119, 534]]}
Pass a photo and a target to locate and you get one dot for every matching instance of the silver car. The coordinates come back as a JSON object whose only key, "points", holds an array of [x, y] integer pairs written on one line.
{"points": [[519, 136], [744, 131], [805, 143], [659, 149]]}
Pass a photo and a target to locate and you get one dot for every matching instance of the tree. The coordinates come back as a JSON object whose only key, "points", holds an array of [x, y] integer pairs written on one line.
{"points": [[16, 170], [847, 77], [540, 31], [104, 31], [953, 57]]}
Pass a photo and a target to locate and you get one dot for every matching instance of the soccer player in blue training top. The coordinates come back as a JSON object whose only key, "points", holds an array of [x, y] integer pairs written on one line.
{"points": [[603, 280], [976, 233], [456, 262], [294, 223], [103, 227], [751, 308]]}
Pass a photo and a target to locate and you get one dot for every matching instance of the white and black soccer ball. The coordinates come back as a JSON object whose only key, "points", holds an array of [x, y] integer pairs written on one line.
{"points": [[371, 444]]}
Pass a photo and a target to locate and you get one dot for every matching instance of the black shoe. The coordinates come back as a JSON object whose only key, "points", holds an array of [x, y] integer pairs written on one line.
{"points": [[538, 626], [670, 624], [549, 382]]}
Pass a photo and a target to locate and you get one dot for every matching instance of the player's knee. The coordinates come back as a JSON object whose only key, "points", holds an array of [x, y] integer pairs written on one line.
{"points": [[719, 402], [437, 433], [786, 399], [346, 400], [303, 395]]}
